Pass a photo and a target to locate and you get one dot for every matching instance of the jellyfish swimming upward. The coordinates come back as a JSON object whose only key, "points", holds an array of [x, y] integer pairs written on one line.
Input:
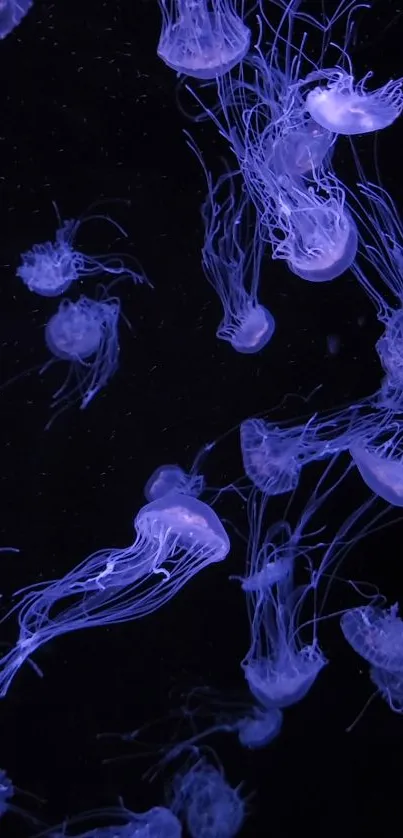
{"points": [[176, 537], [202, 38]]}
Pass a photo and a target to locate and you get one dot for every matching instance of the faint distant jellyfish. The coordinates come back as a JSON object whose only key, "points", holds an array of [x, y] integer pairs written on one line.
{"points": [[376, 635], [298, 150], [269, 458], [7, 792], [207, 803], [232, 262], [11, 14], [381, 471], [346, 107], [170, 478], [176, 537], [201, 38], [261, 728], [49, 269], [84, 333], [158, 822]]}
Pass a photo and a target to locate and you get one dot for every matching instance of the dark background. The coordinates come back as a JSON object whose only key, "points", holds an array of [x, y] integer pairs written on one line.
{"points": [[88, 111]]}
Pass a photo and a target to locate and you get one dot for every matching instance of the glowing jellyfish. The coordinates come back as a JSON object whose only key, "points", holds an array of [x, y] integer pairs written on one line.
{"points": [[269, 459], [49, 269], [158, 822], [376, 635], [7, 792], [206, 802], [11, 14], [259, 729], [84, 334], [298, 150], [381, 471], [201, 38], [176, 537], [172, 478], [390, 686], [232, 262], [346, 107]]}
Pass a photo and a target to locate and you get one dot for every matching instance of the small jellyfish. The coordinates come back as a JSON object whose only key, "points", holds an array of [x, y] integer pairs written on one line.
{"points": [[232, 262], [346, 107], [270, 459], [200, 38], [176, 537], [376, 635], [210, 807], [85, 334], [11, 14], [259, 729], [49, 269], [172, 478]]}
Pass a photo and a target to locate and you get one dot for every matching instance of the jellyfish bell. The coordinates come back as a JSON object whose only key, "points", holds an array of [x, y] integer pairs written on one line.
{"points": [[259, 729], [301, 149], [209, 805], [202, 39], [348, 108], [390, 687], [252, 332], [376, 635], [285, 681], [328, 249], [186, 521], [75, 331], [172, 478], [382, 474], [269, 458]]}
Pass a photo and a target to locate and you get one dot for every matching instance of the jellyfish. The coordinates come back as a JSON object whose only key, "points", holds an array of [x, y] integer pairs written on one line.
{"points": [[172, 478], [11, 14], [176, 537], [85, 335], [376, 635], [210, 807], [201, 38], [50, 268], [7, 792], [158, 822], [382, 470], [347, 107], [390, 687], [232, 262]]}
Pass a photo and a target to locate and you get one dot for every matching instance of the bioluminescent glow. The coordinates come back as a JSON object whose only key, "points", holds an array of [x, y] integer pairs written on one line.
{"points": [[11, 14], [49, 269], [376, 635], [210, 807], [390, 687], [347, 107], [85, 335], [201, 38], [232, 262], [172, 478], [176, 537], [158, 822]]}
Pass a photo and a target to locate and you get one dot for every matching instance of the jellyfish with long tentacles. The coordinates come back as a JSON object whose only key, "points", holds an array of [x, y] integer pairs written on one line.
{"points": [[50, 268], [232, 262], [202, 797], [85, 335], [280, 667], [201, 38], [177, 536], [158, 822], [376, 635]]}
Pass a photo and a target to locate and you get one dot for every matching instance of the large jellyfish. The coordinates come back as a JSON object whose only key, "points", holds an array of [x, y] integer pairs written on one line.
{"points": [[176, 537], [11, 14], [49, 269], [85, 335], [376, 635], [202, 38], [233, 266], [347, 107], [210, 807]]}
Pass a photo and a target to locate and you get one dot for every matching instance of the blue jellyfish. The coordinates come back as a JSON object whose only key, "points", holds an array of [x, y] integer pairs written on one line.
{"points": [[49, 269], [390, 687], [176, 537], [172, 478], [201, 38], [381, 468], [376, 635], [85, 334], [7, 792], [233, 267], [347, 107], [210, 807], [158, 822], [11, 14]]}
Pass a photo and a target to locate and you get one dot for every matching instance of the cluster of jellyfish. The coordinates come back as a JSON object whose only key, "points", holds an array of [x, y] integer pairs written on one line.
{"points": [[281, 107]]}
